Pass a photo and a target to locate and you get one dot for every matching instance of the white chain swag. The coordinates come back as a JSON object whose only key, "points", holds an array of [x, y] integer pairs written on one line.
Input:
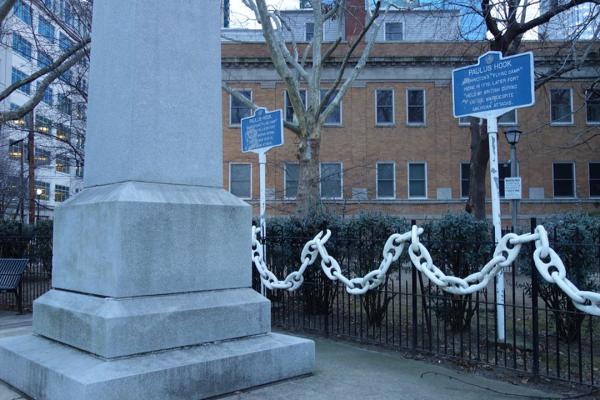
{"points": [[547, 262]]}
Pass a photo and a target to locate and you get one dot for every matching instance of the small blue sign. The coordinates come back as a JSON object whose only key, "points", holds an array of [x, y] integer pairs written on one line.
{"points": [[494, 85], [262, 131]]}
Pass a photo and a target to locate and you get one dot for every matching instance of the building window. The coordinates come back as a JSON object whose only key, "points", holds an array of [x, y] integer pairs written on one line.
{"points": [[292, 173], [335, 118], [594, 174], [48, 96], [21, 46], [415, 106], [18, 76], [240, 180], [466, 121], [23, 12], [384, 105], [67, 76], [42, 157], [43, 59], [417, 180], [45, 190], [592, 106], [465, 181], [289, 110], [564, 179], [62, 164], [42, 124], [64, 105], [393, 31], [64, 42], [503, 173], [561, 107], [238, 109], [309, 31], [508, 118], [61, 193], [386, 180], [45, 28], [331, 180], [15, 149], [79, 169]]}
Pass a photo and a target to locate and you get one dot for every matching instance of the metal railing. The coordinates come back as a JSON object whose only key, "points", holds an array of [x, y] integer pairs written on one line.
{"points": [[545, 334]]}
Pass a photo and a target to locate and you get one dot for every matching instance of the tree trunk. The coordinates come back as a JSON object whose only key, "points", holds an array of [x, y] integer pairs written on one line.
{"points": [[478, 169], [308, 199]]}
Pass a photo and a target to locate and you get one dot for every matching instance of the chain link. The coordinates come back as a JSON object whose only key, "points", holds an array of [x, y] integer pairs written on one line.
{"points": [[546, 261]]}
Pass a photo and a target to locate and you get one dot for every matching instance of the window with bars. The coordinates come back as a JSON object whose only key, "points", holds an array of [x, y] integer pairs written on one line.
{"points": [[45, 28], [465, 180], [21, 46], [61, 193], [335, 118], [44, 189], [289, 110], [23, 12], [331, 180], [563, 177], [561, 107], [291, 177], [240, 180], [417, 180], [594, 174], [394, 31], [592, 106], [386, 180], [415, 107], [309, 31], [384, 107], [238, 109], [62, 164]]}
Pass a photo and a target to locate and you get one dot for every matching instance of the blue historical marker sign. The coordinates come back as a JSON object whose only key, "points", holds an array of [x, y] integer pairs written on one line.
{"points": [[494, 85], [262, 131]]}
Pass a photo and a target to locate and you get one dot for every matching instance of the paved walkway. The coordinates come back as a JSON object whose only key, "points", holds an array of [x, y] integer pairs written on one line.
{"points": [[349, 372]]}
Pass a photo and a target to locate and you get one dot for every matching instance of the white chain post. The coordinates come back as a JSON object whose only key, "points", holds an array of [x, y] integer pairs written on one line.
{"points": [[547, 262]]}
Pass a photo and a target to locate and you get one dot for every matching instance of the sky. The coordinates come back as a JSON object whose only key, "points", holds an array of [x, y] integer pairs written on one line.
{"points": [[241, 16]]}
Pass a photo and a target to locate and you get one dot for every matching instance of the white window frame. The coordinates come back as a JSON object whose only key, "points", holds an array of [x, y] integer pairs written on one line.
{"points": [[285, 97], [393, 123], [341, 106], [408, 164], [285, 195], [590, 179], [574, 180], [587, 120], [377, 180], [251, 183], [566, 123], [341, 180], [306, 39], [418, 124], [385, 39], [509, 123], [460, 164], [237, 124]]}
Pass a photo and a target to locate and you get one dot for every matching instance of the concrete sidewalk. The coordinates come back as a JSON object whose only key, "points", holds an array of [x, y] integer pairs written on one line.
{"points": [[350, 372]]}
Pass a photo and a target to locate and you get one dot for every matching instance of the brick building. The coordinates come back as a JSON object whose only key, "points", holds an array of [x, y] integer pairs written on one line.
{"points": [[394, 145]]}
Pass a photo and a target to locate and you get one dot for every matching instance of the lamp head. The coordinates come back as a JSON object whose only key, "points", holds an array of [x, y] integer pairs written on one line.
{"points": [[512, 135]]}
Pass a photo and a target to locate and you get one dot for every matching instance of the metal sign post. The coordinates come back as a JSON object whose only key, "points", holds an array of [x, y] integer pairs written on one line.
{"points": [[260, 133], [488, 89]]}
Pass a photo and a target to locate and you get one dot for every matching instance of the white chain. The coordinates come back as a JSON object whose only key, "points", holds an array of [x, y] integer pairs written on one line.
{"points": [[547, 262]]}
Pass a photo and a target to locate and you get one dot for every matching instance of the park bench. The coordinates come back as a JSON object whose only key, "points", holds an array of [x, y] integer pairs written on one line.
{"points": [[11, 274]]}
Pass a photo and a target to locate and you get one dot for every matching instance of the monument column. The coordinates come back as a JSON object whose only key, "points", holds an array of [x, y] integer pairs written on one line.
{"points": [[152, 259]]}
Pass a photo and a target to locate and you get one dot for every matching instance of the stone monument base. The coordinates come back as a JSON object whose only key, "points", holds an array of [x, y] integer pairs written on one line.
{"points": [[45, 369]]}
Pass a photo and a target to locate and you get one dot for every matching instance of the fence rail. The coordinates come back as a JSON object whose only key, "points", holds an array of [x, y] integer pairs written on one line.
{"points": [[37, 277], [545, 334]]}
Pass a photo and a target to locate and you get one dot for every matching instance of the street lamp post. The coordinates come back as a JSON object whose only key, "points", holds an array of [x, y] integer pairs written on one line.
{"points": [[38, 193], [512, 137]]}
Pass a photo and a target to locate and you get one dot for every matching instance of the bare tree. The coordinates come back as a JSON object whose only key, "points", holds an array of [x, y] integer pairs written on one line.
{"points": [[508, 23], [302, 66]]}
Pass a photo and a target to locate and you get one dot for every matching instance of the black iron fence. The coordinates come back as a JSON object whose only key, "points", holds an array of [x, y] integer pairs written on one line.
{"points": [[545, 334], [37, 278]]}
